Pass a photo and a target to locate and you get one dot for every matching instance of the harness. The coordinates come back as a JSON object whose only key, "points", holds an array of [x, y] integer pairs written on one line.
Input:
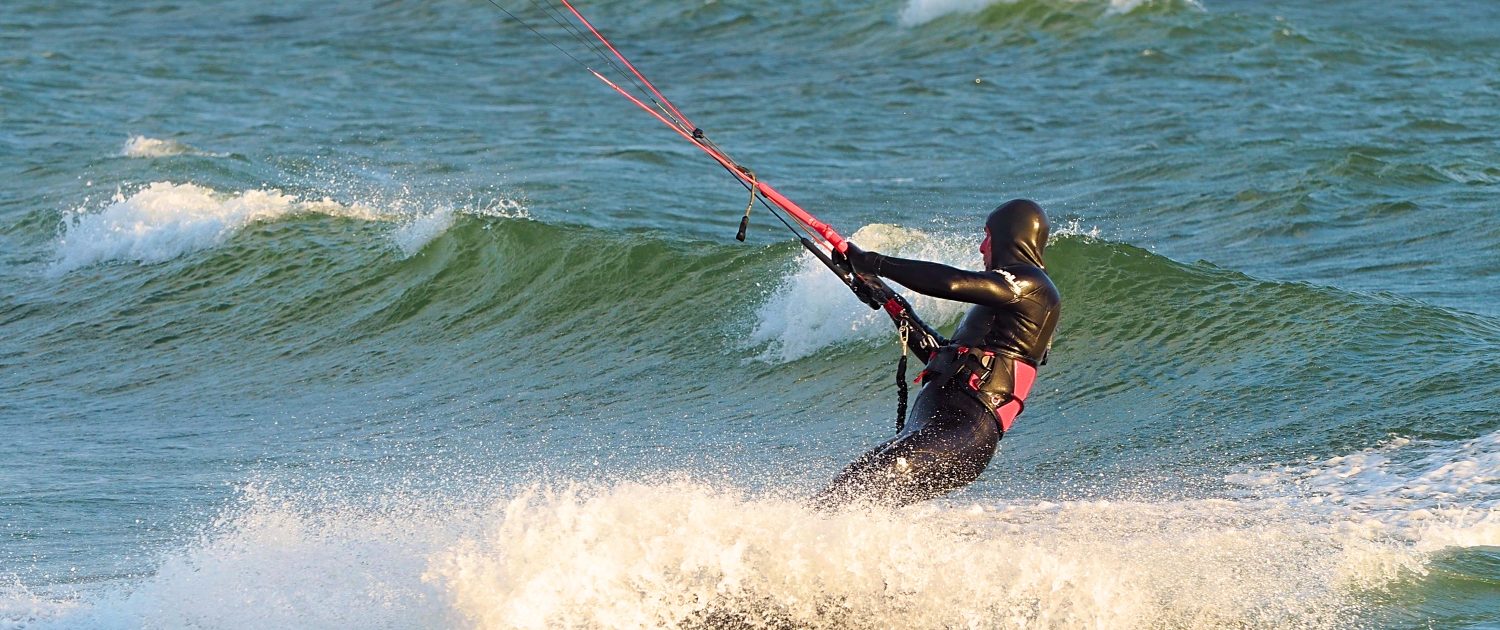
{"points": [[976, 368]]}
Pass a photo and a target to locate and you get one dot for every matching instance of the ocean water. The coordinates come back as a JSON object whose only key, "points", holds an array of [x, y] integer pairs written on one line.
{"points": [[337, 315]]}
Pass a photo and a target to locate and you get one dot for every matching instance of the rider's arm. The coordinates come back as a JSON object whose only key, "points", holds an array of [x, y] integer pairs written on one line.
{"points": [[939, 280]]}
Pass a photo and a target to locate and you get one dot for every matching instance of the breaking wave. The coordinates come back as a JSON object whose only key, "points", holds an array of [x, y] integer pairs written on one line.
{"points": [[165, 220], [918, 12]]}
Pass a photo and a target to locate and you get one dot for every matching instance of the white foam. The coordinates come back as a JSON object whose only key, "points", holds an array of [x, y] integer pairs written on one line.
{"points": [[603, 561], [165, 220], [633, 555], [1433, 494], [812, 310], [1312, 545], [918, 12], [144, 147], [21, 608]]}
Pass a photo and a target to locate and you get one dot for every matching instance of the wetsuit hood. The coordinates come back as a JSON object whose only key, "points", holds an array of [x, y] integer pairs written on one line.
{"points": [[1018, 233]]}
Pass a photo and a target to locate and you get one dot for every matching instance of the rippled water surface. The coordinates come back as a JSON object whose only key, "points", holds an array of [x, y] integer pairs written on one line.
{"points": [[333, 315]]}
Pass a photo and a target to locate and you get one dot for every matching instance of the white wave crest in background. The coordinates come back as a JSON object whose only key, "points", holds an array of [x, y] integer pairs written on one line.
{"points": [[145, 147], [165, 220], [918, 12]]}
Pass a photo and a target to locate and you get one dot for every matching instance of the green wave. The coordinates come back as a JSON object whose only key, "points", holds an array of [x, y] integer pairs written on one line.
{"points": [[1145, 343], [1242, 361]]}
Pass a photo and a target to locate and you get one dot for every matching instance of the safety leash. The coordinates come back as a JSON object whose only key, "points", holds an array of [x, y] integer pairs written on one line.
{"points": [[901, 388], [745, 221]]}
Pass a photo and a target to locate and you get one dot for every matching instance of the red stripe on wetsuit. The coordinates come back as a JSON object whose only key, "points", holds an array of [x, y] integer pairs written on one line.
{"points": [[1025, 378]]}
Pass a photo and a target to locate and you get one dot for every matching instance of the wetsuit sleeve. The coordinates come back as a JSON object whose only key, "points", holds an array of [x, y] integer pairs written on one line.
{"points": [[942, 281]]}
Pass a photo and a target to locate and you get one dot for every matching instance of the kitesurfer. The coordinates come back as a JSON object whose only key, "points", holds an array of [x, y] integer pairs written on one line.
{"points": [[974, 384]]}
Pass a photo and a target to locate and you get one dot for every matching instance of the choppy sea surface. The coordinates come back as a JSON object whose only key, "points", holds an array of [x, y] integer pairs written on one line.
{"points": [[336, 314]]}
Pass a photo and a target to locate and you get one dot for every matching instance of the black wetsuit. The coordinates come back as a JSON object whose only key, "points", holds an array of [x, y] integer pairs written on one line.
{"points": [[975, 384]]}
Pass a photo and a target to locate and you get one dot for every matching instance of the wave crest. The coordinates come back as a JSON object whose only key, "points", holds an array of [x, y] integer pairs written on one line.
{"points": [[918, 12], [164, 220], [144, 147]]}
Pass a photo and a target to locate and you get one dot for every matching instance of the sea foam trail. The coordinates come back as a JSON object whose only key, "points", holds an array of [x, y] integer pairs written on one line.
{"points": [[165, 220], [683, 554], [1434, 494], [918, 12]]}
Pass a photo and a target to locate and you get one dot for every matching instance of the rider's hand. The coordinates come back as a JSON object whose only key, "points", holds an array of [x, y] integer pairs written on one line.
{"points": [[863, 261], [866, 293]]}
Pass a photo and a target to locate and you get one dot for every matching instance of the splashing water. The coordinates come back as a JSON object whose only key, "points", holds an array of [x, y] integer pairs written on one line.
{"points": [[683, 554], [812, 310]]}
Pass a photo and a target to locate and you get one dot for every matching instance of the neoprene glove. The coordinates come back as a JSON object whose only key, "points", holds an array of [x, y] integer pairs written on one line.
{"points": [[863, 261]]}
